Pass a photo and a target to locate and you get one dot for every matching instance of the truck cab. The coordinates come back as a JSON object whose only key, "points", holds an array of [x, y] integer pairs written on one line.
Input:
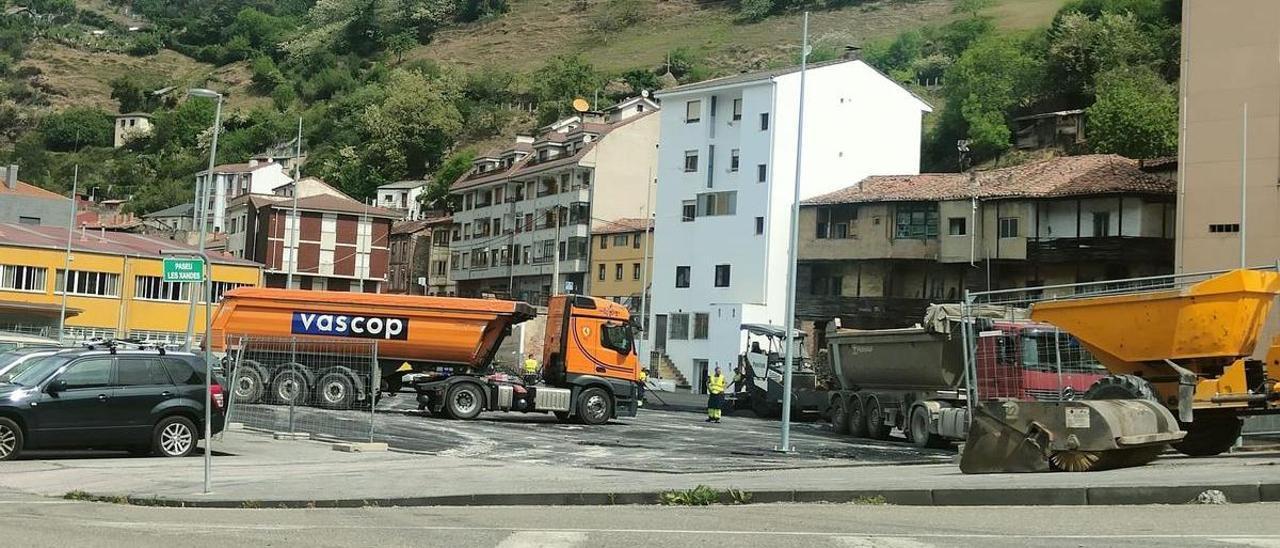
{"points": [[1019, 359], [590, 344]]}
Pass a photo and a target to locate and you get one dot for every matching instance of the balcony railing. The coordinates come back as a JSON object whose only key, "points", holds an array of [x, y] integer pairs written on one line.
{"points": [[863, 312]]}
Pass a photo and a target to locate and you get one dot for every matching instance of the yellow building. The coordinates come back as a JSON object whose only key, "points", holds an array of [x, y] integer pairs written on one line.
{"points": [[115, 281], [618, 259]]}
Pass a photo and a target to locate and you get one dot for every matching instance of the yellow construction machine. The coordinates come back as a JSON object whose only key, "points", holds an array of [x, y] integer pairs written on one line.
{"points": [[1188, 348]]}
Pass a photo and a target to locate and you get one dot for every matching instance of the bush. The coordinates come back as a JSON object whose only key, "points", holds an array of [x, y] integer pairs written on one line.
{"points": [[75, 128], [616, 15], [145, 44], [283, 96], [754, 10]]}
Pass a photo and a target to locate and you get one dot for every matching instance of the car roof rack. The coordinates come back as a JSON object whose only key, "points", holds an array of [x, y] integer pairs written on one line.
{"points": [[126, 344]]}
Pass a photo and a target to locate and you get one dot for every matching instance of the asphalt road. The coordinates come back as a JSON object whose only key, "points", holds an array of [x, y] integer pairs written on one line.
{"points": [[657, 441], [42, 522]]}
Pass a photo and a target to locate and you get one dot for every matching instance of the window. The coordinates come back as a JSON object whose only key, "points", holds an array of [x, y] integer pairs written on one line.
{"points": [[616, 337], [28, 220], [577, 247], [679, 327], [718, 203], [635, 271], [762, 173], [140, 372], [759, 225], [956, 226], [690, 161], [22, 278], [692, 112], [688, 210], [604, 242], [154, 288], [827, 285], [840, 230], [733, 160], [1224, 228], [701, 325], [617, 272], [821, 231], [99, 284], [600, 272], [1101, 223], [182, 372], [88, 373], [682, 276], [737, 109], [635, 242], [764, 121], [916, 221], [620, 240], [722, 275], [1008, 227]]}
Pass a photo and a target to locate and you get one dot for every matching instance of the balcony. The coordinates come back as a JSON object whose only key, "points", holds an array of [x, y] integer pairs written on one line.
{"points": [[1110, 249], [862, 312]]}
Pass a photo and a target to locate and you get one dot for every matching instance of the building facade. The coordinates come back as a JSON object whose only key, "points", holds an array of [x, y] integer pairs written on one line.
{"points": [[403, 196], [726, 176], [621, 261], [116, 286], [27, 204], [336, 244], [131, 126], [526, 212], [878, 253], [420, 257], [234, 180]]}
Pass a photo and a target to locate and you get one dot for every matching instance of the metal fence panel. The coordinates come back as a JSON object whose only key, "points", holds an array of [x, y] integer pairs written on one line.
{"points": [[319, 386]]}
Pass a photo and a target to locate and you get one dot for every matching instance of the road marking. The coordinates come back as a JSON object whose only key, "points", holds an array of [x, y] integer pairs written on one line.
{"points": [[543, 539], [25, 502], [1256, 542], [881, 542]]}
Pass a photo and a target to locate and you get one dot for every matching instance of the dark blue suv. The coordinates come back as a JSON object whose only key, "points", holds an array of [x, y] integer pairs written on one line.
{"points": [[103, 397]]}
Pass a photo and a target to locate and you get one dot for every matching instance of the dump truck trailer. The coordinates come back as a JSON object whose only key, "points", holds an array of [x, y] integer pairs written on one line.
{"points": [[441, 346]]}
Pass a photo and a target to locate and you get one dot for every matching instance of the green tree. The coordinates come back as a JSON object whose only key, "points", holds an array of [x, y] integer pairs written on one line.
{"points": [[993, 76], [559, 82], [146, 44], [754, 10], [133, 92], [182, 127], [454, 167], [411, 130], [1081, 47], [77, 127], [1136, 114]]}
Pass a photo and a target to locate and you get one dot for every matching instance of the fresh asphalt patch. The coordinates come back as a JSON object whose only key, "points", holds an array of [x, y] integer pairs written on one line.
{"points": [[654, 441]]}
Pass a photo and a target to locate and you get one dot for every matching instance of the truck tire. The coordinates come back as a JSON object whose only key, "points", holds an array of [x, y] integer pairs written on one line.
{"points": [[464, 402], [919, 430], [857, 417], [336, 390], [839, 416], [289, 387], [594, 406], [1209, 435], [10, 439], [1121, 387], [876, 428], [247, 386]]}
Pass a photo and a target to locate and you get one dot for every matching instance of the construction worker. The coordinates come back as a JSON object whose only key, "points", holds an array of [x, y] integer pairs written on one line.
{"points": [[644, 377], [715, 399], [530, 370]]}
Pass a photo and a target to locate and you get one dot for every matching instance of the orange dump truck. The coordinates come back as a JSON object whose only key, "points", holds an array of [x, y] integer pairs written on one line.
{"points": [[442, 346]]}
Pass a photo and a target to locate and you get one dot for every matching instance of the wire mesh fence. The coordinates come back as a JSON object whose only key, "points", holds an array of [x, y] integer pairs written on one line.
{"points": [[319, 386]]}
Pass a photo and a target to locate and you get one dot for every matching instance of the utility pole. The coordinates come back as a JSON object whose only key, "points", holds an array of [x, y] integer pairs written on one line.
{"points": [[66, 269], [202, 199], [293, 213], [792, 244], [644, 266]]}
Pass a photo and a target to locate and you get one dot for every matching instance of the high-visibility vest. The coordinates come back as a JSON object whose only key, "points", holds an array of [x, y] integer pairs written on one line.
{"points": [[531, 366], [715, 384], [643, 376]]}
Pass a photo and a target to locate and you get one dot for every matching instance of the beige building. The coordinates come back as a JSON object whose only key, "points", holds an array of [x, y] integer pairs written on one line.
{"points": [[877, 253], [525, 208], [130, 126], [1229, 59], [420, 257], [619, 265]]}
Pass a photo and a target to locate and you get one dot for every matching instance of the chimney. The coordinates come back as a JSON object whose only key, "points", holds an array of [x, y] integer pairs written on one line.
{"points": [[11, 176], [852, 53]]}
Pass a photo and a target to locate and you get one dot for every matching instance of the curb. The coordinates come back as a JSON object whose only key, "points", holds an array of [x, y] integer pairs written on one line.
{"points": [[1057, 496]]}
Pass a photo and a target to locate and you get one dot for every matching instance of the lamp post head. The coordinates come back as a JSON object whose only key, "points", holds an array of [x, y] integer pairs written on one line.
{"points": [[202, 92]]}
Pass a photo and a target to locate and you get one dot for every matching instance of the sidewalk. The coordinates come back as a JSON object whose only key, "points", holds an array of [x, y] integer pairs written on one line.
{"points": [[261, 472]]}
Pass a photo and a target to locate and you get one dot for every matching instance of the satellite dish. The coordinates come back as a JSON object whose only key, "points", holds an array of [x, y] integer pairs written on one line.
{"points": [[581, 105], [644, 93]]}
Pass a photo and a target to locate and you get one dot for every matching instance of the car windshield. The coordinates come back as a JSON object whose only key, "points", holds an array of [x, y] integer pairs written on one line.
{"points": [[36, 370], [1041, 352]]}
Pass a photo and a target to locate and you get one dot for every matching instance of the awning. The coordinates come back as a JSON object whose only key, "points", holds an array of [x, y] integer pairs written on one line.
{"points": [[36, 309]]}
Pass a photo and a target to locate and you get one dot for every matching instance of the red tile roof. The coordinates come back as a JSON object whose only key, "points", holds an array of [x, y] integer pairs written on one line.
{"points": [[619, 226], [325, 202], [1052, 178], [30, 191]]}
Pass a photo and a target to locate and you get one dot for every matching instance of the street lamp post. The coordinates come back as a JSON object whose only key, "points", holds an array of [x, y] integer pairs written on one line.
{"points": [[202, 199], [792, 244]]}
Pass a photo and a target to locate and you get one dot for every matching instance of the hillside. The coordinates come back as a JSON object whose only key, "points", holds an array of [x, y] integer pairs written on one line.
{"points": [[535, 30]]}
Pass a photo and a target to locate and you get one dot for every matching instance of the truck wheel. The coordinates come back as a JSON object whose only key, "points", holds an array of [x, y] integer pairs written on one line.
{"points": [[839, 417], [1209, 436], [593, 406], [919, 430], [1121, 387], [248, 384], [857, 418], [464, 402], [10, 439], [876, 428], [336, 391], [290, 388]]}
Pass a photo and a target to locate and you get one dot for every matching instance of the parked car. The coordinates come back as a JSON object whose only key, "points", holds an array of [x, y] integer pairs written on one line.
{"points": [[17, 361], [142, 400], [10, 341]]}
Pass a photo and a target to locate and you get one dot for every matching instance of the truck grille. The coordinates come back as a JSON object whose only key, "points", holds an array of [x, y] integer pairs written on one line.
{"points": [[1039, 394]]}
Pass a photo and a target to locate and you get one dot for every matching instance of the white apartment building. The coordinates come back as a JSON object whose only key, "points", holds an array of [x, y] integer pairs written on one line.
{"points": [[233, 180], [726, 171], [403, 196], [530, 206]]}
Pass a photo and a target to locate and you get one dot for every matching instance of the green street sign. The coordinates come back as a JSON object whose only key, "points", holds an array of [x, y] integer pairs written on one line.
{"points": [[183, 270]]}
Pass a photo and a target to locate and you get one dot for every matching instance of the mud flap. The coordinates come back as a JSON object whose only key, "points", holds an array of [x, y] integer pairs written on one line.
{"points": [[994, 446]]}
